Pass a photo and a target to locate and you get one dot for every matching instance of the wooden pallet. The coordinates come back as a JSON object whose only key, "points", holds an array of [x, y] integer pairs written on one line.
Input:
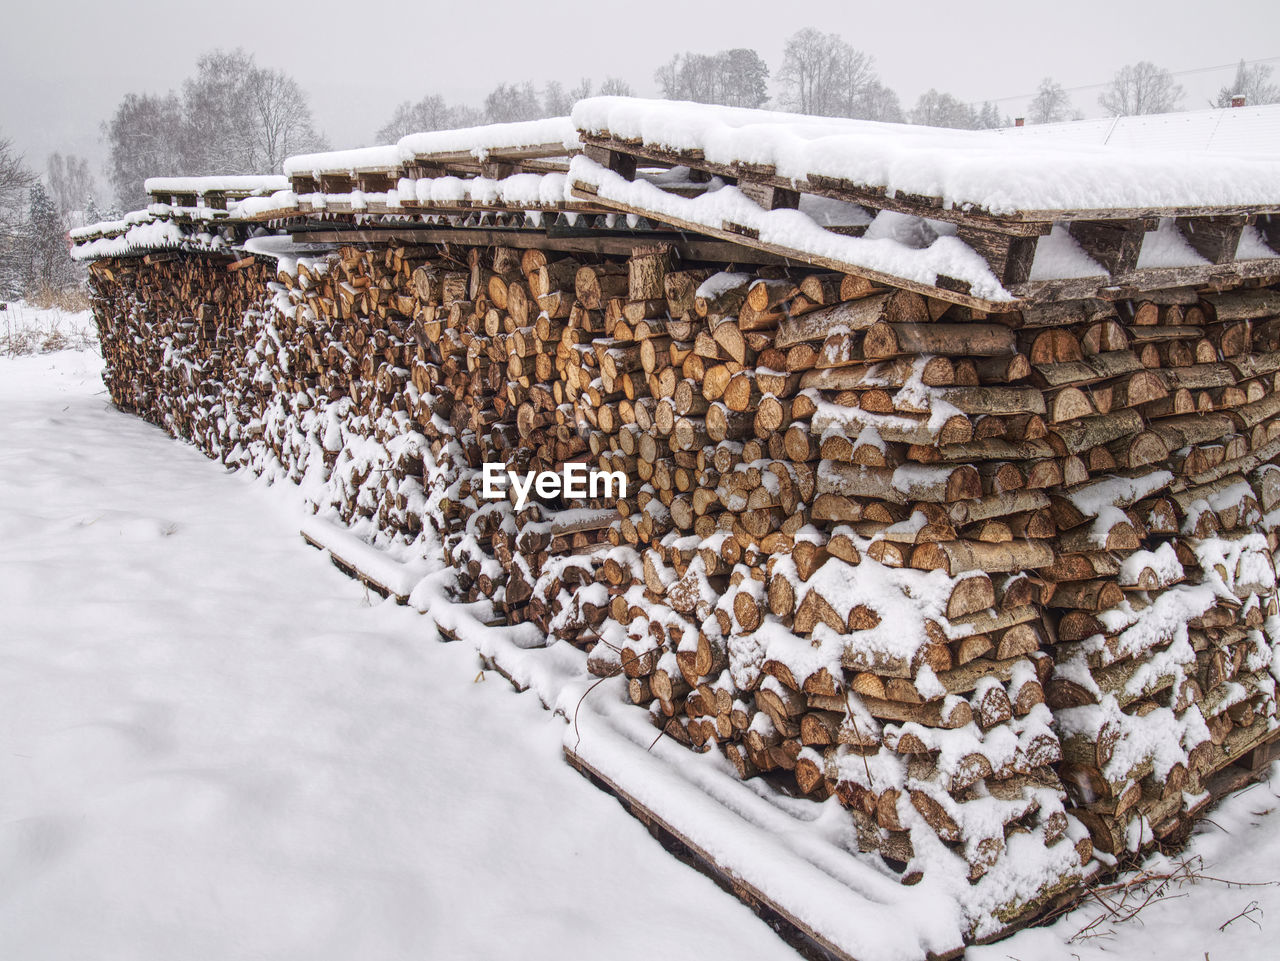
{"points": [[1113, 237]]}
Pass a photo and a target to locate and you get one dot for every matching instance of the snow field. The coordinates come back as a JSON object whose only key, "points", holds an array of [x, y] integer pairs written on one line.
{"points": [[214, 745]]}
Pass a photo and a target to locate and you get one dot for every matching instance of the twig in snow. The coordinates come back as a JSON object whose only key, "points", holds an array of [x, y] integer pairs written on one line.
{"points": [[1248, 913], [1125, 899], [613, 673]]}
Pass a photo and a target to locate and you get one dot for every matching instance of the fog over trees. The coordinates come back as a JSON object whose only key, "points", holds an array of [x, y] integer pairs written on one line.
{"points": [[33, 226], [233, 115], [1051, 104], [1141, 88], [1251, 82]]}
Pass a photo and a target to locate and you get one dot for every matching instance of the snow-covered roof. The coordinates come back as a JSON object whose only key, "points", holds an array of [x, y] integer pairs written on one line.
{"points": [[1239, 131]]}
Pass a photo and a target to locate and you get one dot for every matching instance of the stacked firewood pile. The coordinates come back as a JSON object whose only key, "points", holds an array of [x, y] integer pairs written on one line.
{"points": [[997, 583]]}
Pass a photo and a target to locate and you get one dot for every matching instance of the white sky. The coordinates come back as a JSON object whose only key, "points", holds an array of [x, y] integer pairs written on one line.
{"points": [[65, 64]]}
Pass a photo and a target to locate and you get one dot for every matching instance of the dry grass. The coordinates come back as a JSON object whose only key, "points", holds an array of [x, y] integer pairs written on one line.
{"points": [[60, 322]]}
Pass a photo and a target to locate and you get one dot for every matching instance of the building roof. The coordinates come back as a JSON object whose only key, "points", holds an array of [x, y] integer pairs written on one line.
{"points": [[1249, 131]]}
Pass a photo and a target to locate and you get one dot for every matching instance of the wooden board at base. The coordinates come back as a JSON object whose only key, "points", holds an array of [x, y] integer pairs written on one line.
{"points": [[351, 570], [809, 943]]}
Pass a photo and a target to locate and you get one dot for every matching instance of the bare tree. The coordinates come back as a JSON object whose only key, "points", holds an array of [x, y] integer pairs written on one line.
{"points": [[615, 87], [1251, 82], [1051, 103], [242, 118], [935, 109], [71, 183], [216, 105], [1141, 88], [735, 78], [144, 137], [511, 101], [281, 119], [822, 74], [555, 100], [429, 113], [233, 117], [878, 102], [812, 74], [744, 78]]}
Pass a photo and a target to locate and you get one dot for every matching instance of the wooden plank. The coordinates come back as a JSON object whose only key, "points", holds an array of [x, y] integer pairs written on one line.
{"points": [[788, 926], [768, 196], [1133, 285], [336, 183], [620, 244], [351, 570], [804, 257], [510, 154], [623, 164], [1269, 226]]}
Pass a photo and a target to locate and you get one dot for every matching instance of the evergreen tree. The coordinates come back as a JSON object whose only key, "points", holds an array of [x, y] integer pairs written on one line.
{"points": [[989, 117], [48, 262], [15, 179]]}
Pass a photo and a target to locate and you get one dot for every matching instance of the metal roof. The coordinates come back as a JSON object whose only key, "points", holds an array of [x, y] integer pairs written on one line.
{"points": [[1229, 130]]}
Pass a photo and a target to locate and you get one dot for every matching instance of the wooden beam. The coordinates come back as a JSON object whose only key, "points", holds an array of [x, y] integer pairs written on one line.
{"points": [[789, 926], [690, 249], [497, 170], [1134, 284], [1269, 226], [620, 163], [1009, 257], [376, 182], [1115, 244], [1214, 238], [507, 154], [336, 183], [768, 196], [804, 257]]}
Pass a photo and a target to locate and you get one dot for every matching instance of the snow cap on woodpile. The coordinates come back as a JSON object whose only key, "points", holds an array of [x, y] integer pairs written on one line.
{"points": [[964, 168]]}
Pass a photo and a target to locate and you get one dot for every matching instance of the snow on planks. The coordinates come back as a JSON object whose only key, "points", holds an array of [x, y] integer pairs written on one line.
{"points": [[972, 217], [997, 201]]}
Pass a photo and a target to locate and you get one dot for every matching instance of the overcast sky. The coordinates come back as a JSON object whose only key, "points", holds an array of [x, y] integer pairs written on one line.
{"points": [[65, 64]]}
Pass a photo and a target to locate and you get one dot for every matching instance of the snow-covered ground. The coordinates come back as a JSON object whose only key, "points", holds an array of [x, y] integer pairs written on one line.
{"points": [[215, 745], [28, 329]]}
